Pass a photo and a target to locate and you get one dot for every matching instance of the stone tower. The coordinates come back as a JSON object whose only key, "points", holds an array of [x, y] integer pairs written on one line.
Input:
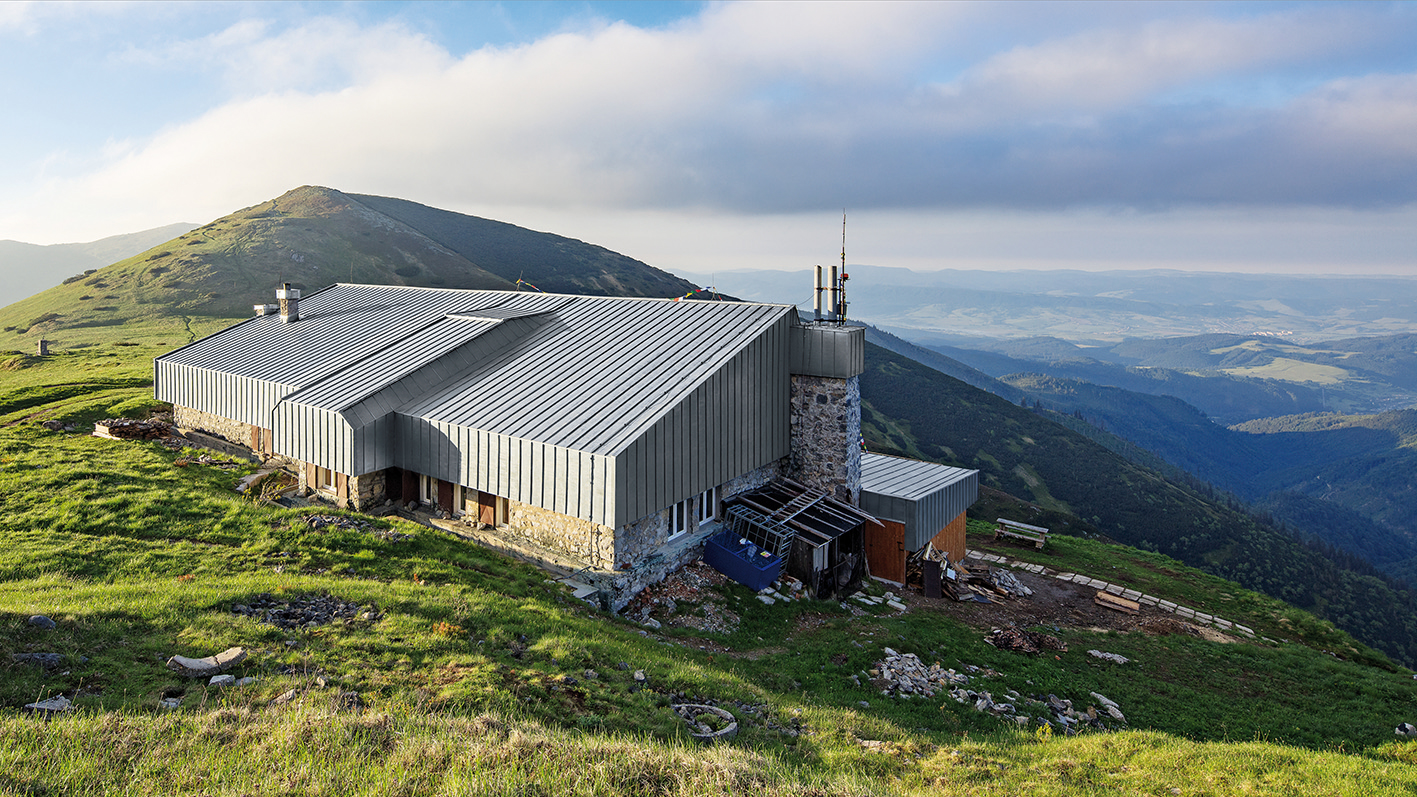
{"points": [[826, 365]]}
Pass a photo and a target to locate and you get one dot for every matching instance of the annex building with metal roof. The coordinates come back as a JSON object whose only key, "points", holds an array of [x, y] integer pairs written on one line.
{"points": [[608, 429]]}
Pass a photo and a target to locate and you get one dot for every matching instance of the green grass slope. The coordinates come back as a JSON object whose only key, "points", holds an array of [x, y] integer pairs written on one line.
{"points": [[472, 672], [915, 410]]}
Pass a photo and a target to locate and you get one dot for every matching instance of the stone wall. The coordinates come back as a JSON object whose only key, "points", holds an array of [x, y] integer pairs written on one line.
{"points": [[233, 431], [645, 554], [590, 542], [826, 435], [367, 491]]}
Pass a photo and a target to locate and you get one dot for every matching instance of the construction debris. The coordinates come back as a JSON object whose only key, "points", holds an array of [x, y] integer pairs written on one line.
{"points": [[320, 522], [1021, 641], [1113, 657], [206, 667], [1117, 604], [130, 429], [904, 674], [1008, 582]]}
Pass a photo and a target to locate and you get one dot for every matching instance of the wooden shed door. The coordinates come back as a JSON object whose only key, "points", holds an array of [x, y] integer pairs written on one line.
{"points": [[486, 509], [885, 550]]}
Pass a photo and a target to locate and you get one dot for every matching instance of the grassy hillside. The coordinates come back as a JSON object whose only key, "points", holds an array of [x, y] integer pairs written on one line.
{"points": [[311, 237], [915, 410], [26, 269], [466, 672]]}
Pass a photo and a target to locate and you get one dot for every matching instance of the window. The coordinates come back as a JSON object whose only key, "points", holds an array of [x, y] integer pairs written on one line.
{"points": [[324, 479], [427, 490], [679, 519], [707, 505]]}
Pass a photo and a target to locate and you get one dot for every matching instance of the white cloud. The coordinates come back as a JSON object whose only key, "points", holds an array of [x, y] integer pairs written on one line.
{"points": [[766, 107]]}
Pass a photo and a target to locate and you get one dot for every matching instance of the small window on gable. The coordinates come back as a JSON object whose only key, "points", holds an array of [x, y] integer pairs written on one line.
{"points": [[707, 505], [324, 479]]}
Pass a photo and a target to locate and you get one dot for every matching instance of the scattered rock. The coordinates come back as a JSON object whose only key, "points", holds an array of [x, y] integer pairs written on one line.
{"points": [[302, 611], [53, 705], [1114, 657], [40, 621], [247, 681], [46, 660], [219, 681], [206, 667], [285, 697], [170, 703], [1407, 729], [53, 426], [349, 701], [321, 522]]}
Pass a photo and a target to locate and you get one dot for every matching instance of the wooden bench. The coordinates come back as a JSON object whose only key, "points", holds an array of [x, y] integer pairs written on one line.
{"points": [[1012, 528]]}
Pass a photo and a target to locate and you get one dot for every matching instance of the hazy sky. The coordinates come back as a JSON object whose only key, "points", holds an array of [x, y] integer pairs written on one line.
{"points": [[706, 136]]}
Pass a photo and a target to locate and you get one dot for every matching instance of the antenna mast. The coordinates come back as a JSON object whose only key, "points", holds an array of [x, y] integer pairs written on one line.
{"points": [[840, 308]]}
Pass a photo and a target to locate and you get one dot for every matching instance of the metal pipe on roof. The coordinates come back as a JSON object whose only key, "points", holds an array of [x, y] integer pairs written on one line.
{"points": [[817, 295], [831, 294]]}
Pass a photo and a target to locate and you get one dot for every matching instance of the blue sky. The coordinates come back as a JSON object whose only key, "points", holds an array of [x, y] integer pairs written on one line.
{"points": [[715, 136]]}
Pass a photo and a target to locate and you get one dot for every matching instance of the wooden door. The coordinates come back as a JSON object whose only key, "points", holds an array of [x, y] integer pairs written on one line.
{"points": [[486, 509], [885, 550]]}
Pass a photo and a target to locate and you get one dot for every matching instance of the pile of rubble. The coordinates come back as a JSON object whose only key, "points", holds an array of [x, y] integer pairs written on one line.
{"points": [[904, 675], [890, 600], [786, 589], [1021, 641], [1050, 710], [223, 464], [695, 585], [320, 522], [302, 611], [130, 429]]}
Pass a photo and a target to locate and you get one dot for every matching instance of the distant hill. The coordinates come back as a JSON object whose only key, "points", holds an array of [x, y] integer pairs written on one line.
{"points": [[1082, 488], [27, 269], [312, 237]]}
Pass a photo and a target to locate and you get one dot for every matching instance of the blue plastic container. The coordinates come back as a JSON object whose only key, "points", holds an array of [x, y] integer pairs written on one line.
{"points": [[742, 561]]}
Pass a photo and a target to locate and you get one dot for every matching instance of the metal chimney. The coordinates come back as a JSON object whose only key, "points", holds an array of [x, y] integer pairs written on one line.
{"points": [[289, 303], [817, 295]]}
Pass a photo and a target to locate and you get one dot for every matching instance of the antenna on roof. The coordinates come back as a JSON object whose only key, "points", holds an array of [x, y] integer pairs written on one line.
{"points": [[839, 307], [834, 286]]}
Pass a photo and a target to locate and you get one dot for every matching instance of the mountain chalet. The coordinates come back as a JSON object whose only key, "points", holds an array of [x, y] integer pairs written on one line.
{"points": [[616, 432]]}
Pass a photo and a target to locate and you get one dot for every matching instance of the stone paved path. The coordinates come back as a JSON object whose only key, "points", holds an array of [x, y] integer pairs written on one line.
{"points": [[1120, 590]]}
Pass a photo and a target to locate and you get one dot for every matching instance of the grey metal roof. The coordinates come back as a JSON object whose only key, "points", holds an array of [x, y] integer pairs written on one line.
{"points": [[910, 479], [592, 374], [605, 371], [925, 496]]}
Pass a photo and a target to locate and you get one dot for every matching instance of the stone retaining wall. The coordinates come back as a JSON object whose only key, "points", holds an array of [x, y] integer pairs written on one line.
{"points": [[233, 431]]}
